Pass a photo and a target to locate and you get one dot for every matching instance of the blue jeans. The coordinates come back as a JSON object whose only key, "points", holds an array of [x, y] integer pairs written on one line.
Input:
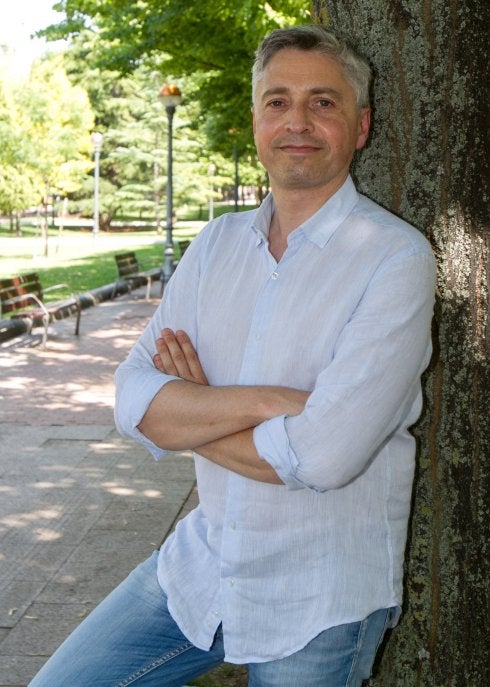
{"points": [[131, 639]]}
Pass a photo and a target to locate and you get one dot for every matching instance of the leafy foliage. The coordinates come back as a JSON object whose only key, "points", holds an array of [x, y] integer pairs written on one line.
{"points": [[44, 136], [213, 41], [120, 53]]}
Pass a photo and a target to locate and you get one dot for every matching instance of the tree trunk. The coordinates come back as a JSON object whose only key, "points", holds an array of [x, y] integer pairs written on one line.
{"points": [[427, 163]]}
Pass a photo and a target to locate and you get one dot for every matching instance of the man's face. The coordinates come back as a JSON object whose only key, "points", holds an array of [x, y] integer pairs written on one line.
{"points": [[307, 125]]}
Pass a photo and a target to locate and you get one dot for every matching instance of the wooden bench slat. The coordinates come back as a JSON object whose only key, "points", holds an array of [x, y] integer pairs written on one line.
{"points": [[128, 269], [23, 297]]}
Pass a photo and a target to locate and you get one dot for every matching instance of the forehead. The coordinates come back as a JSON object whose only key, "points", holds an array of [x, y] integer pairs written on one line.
{"points": [[302, 69]]}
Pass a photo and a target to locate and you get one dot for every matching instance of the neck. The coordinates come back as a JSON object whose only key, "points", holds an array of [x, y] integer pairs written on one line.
{"points": [[291, 210], [295, 206]]}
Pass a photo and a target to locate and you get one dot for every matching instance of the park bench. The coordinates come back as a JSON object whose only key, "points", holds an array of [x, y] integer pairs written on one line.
{"points": [[23, 297], [184, 245], [128, 270]]}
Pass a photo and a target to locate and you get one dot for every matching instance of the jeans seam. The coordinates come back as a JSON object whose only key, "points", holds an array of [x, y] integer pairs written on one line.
{"points": [[389, 615], [355, 660], [155, 664]]}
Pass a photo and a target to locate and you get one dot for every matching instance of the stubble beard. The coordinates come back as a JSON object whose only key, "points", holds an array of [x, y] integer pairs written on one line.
{"points": [[300, 176]]}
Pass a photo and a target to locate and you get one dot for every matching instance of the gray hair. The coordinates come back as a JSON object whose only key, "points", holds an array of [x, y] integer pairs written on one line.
{"points": [[316, 38]]}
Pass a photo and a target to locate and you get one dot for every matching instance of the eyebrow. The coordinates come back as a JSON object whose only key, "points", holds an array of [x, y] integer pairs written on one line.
{"points": [[317, 90]]}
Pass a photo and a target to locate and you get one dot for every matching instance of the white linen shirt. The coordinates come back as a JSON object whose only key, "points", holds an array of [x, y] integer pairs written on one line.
{"points": [[346, 315]]}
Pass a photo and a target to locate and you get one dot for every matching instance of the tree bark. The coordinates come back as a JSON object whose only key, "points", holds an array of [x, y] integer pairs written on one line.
{"points": [[427, 162]]}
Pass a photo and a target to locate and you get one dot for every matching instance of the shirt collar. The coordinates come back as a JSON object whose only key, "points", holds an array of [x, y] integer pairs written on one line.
{"points": [[263, 218], [320, 226]]}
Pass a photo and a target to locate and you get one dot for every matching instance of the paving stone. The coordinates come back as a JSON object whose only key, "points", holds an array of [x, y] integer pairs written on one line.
{"points": [[17, 671], [29, 637], [80, 506], [24, 572], [153, 519], [98, 565], [55, 513]]}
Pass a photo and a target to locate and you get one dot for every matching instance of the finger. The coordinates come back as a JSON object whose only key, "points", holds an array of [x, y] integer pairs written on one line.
{"points": [[178, 358], [166, 363], [192, 359], [157, 361]]}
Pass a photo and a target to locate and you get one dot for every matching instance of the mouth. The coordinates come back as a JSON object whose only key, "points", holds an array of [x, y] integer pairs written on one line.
{"points": [[299, 149]]}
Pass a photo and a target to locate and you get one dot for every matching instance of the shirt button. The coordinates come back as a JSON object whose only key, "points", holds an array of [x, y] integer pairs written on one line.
{"points": [[231, 581], [233, 525], [274, 275]]}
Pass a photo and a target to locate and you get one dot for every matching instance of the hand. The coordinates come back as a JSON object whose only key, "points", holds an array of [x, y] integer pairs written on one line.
{"points": [[177, 356]]}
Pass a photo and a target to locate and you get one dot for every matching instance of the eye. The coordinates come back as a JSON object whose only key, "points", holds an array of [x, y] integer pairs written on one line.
{"points": [[324, 103], [276, 103]]}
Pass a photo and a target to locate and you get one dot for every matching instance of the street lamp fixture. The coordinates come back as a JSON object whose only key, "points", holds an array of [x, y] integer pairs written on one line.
{"points": [[170, 96], [97, 140]]}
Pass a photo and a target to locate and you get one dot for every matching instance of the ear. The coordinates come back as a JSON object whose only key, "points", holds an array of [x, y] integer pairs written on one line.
{"points": [[253, 118], [364, 125]]}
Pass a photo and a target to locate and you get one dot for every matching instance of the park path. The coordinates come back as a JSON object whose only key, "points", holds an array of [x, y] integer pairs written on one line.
{"points": [[79, 505]]}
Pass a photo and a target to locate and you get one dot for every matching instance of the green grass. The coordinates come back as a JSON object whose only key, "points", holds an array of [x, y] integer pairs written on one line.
{"points": [[219, 209], [77, 258], [226, 675]]}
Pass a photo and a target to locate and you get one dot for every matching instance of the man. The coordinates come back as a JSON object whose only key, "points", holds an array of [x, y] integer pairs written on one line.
{"points": [[287, 353]]}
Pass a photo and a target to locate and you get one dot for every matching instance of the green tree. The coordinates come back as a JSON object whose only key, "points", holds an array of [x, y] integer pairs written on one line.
{"points": [[213, 40], [20, 185], [44, 131], [426, 162], [58, 118], [134, 154]]}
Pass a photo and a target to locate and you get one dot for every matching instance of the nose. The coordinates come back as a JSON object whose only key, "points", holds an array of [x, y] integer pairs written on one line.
{"points": [[299, 119]]}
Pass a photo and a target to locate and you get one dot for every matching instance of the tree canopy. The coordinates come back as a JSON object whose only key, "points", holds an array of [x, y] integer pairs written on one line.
{"points": [[44, 136], [213, 41], [118, 57]]}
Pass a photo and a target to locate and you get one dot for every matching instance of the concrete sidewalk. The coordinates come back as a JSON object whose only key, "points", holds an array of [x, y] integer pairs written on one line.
{"points": [[79, 505]]}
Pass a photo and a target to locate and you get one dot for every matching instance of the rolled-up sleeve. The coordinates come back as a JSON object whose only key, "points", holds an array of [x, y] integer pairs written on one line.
{"points": [[137, 379], [272, 444], [135, 389], [370, 390]]}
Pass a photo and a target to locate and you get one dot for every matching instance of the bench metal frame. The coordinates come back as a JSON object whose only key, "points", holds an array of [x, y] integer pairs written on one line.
{"points": [[18, 294]]}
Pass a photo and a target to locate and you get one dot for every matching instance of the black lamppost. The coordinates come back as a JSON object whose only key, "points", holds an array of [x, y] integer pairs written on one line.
{"points": [[234, 134], [97, 140], [237, 180], [211, 170], [170, 96]]}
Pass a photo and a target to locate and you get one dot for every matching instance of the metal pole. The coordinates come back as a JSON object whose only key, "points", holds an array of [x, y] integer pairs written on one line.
{"points": [[235, 158], [168, 265], [97, 140], [95, 230], [211, 170]]}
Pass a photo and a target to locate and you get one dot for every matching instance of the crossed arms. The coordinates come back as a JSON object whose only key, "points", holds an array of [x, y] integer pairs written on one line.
{"points": [[364, 394], [215, 421]]}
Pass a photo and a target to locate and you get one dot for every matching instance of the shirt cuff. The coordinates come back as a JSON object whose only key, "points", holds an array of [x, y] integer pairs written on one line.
{"points": [[133, 398], [272, 444]]}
